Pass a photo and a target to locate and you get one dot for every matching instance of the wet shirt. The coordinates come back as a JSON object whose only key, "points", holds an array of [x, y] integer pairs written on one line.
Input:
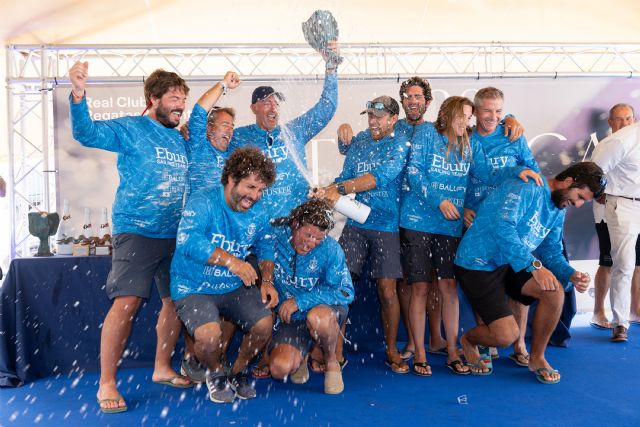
{"points": [[207, 223], [319, 277], [152, 166], [501, 153], [285, 145], [434, 176], [206, 162], [516, 219], [385, 160]]}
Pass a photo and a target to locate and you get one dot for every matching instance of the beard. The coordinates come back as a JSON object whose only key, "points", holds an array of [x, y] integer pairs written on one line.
{"points": [[163, 116], [237, 200]]}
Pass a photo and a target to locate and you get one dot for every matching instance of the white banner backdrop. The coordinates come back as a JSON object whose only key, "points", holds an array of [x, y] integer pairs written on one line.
{"points": [[563, 119]]}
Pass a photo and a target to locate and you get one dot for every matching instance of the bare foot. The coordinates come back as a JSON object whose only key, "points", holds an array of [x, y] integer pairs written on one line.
{"points": [[540, 366], [160, 375], [472, 356], [109, 397]]}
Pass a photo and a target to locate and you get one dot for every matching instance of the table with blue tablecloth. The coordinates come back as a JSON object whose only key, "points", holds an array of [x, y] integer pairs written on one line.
{"points": [[51, 313]]}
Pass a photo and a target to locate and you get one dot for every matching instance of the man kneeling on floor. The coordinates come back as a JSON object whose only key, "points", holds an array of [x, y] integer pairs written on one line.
{"points": [[315, 288], [495, 256], [219, 225]]}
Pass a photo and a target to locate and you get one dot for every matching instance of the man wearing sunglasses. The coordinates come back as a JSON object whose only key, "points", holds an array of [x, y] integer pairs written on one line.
{"points": [[373, 171], [416, 97], [285, 144], [619, 157], [496, 256]]}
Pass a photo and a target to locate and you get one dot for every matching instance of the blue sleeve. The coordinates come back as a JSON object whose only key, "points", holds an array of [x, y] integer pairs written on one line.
{"points": [[197, 125], [105, 135], [264, 245], [505, 233], [313, 121], [551, 256], [335, 288], [393, 164], [526, 156], [191, 239], [417, 166]]}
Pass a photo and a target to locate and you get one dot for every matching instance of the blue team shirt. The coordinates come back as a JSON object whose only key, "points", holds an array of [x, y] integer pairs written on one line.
{"points": [[433, 176], [152, 166], [321, 276], [501, 153], [207, 223], [385, 160], [288, 147], [514, 220], [206, 162]]}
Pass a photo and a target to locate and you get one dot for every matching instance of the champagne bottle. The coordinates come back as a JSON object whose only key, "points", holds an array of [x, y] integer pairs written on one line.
{"points": [[105, 229], [87, 228], [64, 238]]}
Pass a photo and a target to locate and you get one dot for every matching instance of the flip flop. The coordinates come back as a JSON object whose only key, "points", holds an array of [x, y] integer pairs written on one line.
{"points": [[172, 381], [440, 351], [423, 365], [479, 369], [520, 359], [456, 367], [260, 372], [486, 358], [343, 363], [406, 354], [599, 325], [397, 368], [115, 410], [540, 377]]}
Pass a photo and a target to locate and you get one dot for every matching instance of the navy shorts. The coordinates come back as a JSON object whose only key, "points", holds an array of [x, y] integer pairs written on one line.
{"points": [[381, 248], [296, 333], [138, 260], [242, 306], [423, 252], [487, 291]]}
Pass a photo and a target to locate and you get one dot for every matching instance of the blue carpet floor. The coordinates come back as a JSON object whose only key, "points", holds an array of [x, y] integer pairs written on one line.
{"points": [[599, 387]]}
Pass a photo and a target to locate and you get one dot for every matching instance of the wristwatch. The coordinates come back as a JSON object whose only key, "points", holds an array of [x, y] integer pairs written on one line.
{"points": [[535, 265], [341, 189]]}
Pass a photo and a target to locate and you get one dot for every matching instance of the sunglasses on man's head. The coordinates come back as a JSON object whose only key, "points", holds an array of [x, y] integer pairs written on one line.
{"points": [[603, 186], [376, 105]]}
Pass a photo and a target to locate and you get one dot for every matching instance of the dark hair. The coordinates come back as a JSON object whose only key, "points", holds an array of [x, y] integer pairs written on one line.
{"points": [[246, 161], [213, 113], [312, 212], [416, 81], [487, 93], [585, 174], [160, 82]]}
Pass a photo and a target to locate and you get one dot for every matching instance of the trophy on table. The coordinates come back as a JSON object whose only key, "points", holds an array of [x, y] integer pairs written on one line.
{"points": [[42, 225], [319, 30]]}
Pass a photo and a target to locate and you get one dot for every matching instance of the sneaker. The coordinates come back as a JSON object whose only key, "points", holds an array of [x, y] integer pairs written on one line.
{"points": [[220, 390], [240, 384], [190, 367]]}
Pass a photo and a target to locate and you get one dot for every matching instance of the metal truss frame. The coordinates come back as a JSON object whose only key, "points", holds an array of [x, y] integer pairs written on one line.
{"points": [[34, 70]]}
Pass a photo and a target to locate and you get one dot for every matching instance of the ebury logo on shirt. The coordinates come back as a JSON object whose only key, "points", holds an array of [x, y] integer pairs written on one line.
{"points": [[499, 162], [440, 164], [297, 282], [364, 167], [277, 154], [166, 157], [231, 246], [536, 228]]}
